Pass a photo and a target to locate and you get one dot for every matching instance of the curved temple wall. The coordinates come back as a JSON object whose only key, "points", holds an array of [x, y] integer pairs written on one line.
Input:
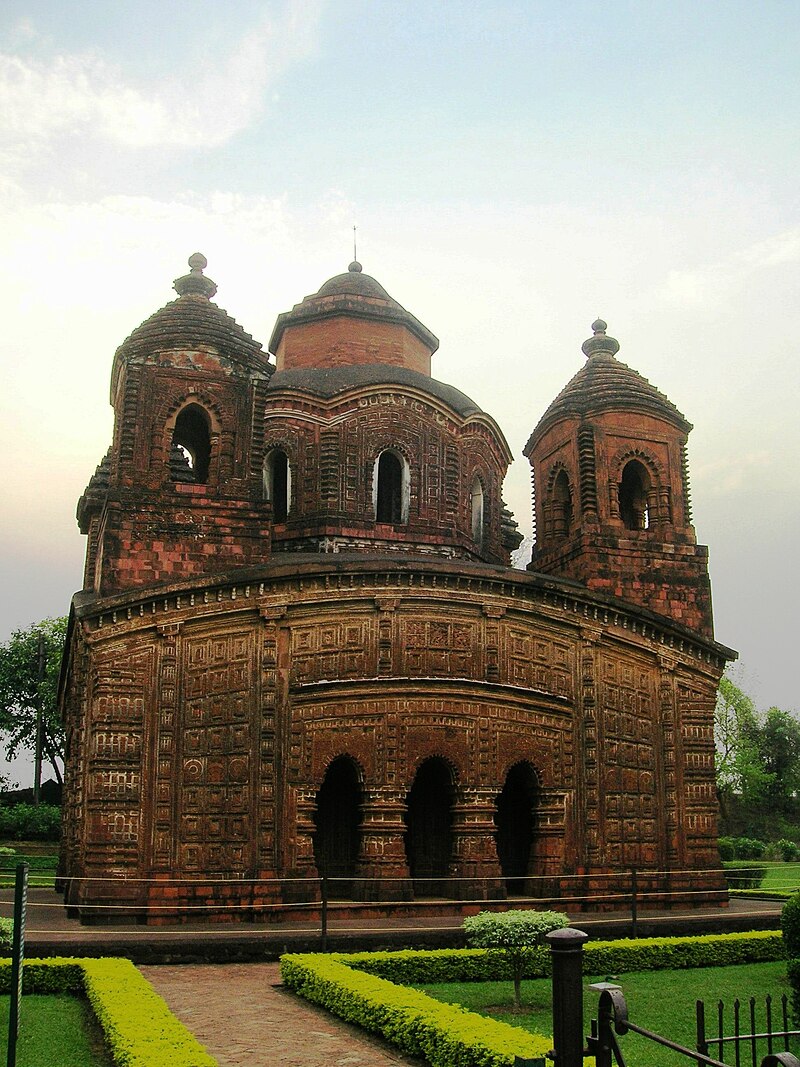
{"points": [[201, 722]]}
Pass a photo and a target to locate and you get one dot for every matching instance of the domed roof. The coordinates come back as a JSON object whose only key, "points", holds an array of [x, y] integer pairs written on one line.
{"points": [[328, 382], [606, 384], [354, 294], [192, 321]]}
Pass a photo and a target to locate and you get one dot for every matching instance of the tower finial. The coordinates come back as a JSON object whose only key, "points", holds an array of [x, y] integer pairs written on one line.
{"points": [[355, 267], [195, 283], [600, 342]]}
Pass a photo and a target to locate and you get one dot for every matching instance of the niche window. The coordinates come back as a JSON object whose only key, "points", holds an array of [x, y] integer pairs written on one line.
{"points": [[476, 510], [562, 505], [634, 509], [190, 452], [277, 483], [390, 488]]}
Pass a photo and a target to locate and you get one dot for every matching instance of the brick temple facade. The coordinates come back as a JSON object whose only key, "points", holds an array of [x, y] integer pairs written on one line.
{"points": [[301, 649]]}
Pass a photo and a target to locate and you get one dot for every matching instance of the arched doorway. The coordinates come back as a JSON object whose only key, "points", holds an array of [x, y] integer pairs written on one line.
{"points": [[337, 819], [516, 822], [634, 508], [429, 827], [190, 452]]}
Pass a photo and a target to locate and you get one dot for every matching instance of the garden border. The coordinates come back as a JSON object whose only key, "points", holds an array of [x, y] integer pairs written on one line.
{"points": [[139, 1028], [366, 988]]}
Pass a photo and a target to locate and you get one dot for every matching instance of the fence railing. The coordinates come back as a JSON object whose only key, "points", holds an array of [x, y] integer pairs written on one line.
{"points": [[613, 1020], [621, 897], [772, 1031]]}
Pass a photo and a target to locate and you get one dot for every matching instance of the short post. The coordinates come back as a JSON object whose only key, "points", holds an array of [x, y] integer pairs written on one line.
{"points": [[634, 902], [324, 914], [566, 953]]}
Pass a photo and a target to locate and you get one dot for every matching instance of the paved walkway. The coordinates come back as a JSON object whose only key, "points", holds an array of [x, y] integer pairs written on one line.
{"points": [[245, 1018]]}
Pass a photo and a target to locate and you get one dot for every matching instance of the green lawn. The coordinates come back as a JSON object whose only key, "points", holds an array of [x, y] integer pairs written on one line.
{"points": [[781, 875], [662, 1001], [42, 860], [54, 1030]]}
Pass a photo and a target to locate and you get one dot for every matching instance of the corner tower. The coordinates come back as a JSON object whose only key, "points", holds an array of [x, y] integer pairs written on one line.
{"points": [[179, 493], [611, 490]]}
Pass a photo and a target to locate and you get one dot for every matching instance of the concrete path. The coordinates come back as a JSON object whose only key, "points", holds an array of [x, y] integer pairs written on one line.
{"points": [[245, 1018]]}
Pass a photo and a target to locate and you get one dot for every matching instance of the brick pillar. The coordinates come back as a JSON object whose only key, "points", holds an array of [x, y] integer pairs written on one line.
{"points": [[382, 851], [303, 867], [474, 846]]}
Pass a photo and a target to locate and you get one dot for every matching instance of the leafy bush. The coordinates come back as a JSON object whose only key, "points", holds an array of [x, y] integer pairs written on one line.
{"points": [[6, 934], [513, 933], [29, 822], [790, 925], [609, 957], [139, 1028], [443, 1034], [727, 848], [748, 848], [788, 849], [360, 987], [741, 874]]}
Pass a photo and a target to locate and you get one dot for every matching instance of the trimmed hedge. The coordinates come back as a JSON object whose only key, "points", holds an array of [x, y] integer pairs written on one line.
{"points": [[642, 954], [443, 1034], [139, 1028], [744, 874], [370, 988]]}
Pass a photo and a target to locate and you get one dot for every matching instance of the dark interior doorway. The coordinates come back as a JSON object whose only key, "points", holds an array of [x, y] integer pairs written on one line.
{"points": [[429, 828], [515, 820], [337, 818], [389, 503]]}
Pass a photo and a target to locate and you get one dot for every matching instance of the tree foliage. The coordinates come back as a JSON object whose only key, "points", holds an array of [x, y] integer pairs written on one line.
{"points": [[21, 691], [515, 933], [757, 753]]}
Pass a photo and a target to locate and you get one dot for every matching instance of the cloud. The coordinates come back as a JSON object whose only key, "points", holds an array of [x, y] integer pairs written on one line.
{"points": [[722, 279], [69, 95]]}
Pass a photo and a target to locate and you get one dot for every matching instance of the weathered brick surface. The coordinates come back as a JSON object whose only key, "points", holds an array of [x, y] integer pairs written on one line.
{"points": [[220, 662]]}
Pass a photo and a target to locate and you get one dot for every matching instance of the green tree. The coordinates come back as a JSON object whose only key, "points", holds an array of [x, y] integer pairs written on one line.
{"points": [[779, 745], [740, 766], [513, 934], [22, 693]]}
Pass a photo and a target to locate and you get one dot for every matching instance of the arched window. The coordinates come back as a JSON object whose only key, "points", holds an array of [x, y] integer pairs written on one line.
{"points": [[429, 827], [476, 510], [336, 839], [278, 483], [390, 491], [562, 505], [515, 820], [633, 490], [190, 451]]}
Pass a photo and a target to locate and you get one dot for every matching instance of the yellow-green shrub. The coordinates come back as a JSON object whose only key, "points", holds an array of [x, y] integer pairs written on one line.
{"points": [[139, 1028], [443, 1034]]}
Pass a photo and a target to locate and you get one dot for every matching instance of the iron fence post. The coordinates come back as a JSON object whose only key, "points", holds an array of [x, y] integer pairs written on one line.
{"points": [[324, 914], [566, 953], [634, 902]]}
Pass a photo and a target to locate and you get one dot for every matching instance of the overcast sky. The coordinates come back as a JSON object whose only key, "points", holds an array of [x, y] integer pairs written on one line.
{"points": [[514, 169]]}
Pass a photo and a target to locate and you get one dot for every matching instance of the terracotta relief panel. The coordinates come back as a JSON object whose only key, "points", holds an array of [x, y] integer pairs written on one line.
{"points": [[215, 794]]}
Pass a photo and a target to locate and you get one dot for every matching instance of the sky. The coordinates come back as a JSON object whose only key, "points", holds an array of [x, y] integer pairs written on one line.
{"points": [[515, 170]]}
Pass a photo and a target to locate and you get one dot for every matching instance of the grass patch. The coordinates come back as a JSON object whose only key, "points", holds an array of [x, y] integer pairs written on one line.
{"points": [[662, 1001], [42, 862], [781, 876], [55, 1029]]}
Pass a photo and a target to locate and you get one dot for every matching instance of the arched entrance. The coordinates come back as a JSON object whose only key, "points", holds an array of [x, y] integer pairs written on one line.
{"points": [[429, 827], [515, 820], [338, 818]]}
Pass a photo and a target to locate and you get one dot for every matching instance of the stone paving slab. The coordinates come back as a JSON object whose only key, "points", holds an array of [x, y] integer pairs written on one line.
{"points": [[245, 1018]]}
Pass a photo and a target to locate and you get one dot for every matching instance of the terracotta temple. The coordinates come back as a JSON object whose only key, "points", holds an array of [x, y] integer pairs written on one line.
{"points": [[301, 648]]}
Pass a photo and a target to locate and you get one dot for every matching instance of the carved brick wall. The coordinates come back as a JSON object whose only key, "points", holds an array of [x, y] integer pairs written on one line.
{"points": [[212, 715]]}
